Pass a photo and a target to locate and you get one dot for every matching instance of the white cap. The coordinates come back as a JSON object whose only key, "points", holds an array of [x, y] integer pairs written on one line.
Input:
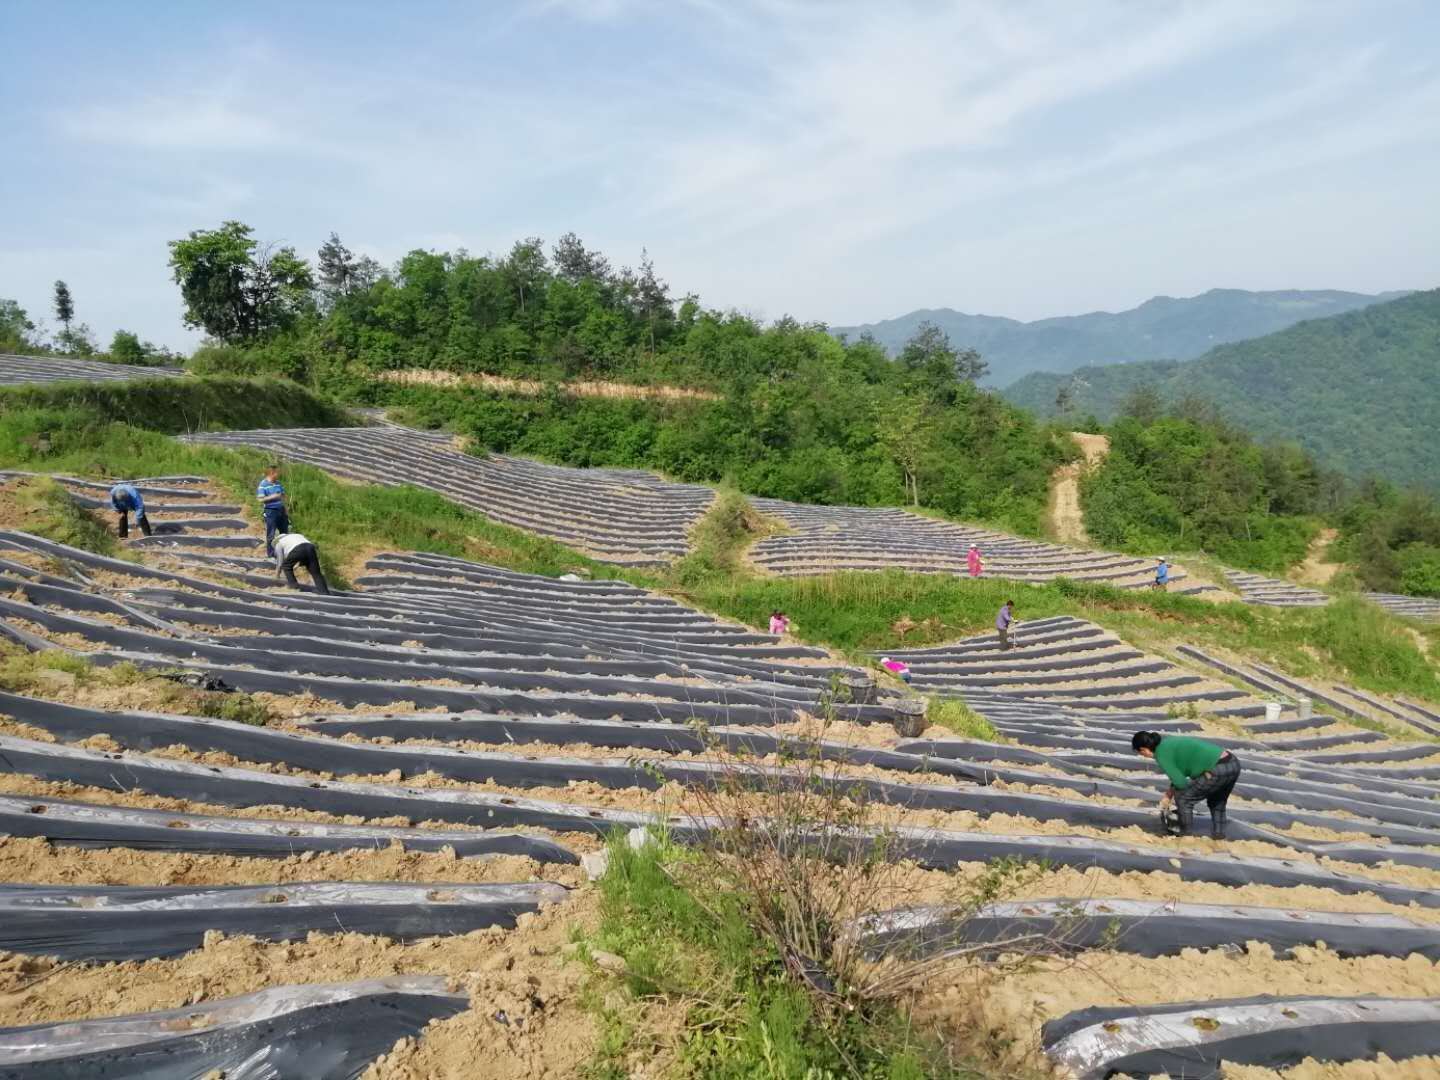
{"points": [[884, 659]]}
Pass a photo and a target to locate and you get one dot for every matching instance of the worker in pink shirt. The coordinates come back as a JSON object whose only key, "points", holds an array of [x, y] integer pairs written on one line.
{"points": [[972, 561], [898, 668], [779, 623]]}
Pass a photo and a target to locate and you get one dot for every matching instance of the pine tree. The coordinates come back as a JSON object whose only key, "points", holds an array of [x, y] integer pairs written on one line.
{"points": [[64, 306]]}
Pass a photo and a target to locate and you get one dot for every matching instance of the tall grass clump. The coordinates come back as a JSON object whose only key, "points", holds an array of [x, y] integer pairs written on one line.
{"points": [[176, 405], [956, 716], [40, 506], [1361, 637], [768, 929], [719, 539]]}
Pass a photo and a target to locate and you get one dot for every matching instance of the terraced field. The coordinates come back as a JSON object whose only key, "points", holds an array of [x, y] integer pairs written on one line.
{"points": [[18, 370], [1424, 608], [621, 516], [827, 539], [636, 518], [394, 857], [1272, 592]]}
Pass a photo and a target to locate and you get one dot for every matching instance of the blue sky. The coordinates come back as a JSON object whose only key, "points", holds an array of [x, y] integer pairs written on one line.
{"points": [[833, 161]]}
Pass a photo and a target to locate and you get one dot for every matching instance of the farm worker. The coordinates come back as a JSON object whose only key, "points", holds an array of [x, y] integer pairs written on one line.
{"points": [[1162, 573], [972, 561], [293, 549], [271, 494], [1004, 618], [779, 623], [1197, 770], [898, 668], [124, 498]]}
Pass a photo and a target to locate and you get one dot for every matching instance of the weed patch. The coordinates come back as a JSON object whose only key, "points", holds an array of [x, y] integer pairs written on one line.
{"points": [[719, 539], [955, 715], [40, 506]]}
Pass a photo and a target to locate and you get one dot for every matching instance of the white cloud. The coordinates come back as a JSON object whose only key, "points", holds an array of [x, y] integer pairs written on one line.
{"points": [[829, 158], [181, 122]]}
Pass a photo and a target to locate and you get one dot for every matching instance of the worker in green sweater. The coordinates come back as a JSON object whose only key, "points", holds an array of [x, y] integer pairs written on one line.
{"points": [[1197, 770]]}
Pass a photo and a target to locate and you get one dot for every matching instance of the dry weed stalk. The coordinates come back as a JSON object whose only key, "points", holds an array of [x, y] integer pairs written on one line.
{"points": [[817, 860]]}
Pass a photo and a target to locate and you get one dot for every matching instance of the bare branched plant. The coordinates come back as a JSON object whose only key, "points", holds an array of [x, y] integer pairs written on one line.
{"points": [[819, 862]]}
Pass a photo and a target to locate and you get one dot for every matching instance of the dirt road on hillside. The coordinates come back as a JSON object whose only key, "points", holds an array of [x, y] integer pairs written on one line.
{"points": [[1317, 569], [1067, 520]]}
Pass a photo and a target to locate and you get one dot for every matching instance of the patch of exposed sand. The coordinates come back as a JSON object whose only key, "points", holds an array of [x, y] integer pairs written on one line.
{"points": [[1014, 1005], [1316, 569], [522, 974], [35, 861]]}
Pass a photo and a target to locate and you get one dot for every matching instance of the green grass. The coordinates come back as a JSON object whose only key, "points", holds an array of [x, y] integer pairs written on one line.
{"points": [[954, 714], [44, 508], [850, 612], [25, 672], [174, 405], [719, 539], [344, 520], [685, 943], [857, 613]]}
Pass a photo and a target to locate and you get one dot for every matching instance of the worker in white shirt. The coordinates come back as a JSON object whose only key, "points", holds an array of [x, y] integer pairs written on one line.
{"points": [[292, 549]]}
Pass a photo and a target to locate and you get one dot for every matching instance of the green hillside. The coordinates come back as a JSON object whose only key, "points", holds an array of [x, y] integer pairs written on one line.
{"points": [[1178, 328], [1361, 391]]}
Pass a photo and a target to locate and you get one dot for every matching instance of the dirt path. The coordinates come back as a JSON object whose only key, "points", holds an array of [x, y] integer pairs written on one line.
{"points": [[1317, 569], [1067, 519]]}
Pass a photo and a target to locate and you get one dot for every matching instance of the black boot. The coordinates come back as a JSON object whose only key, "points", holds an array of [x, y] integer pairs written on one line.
{"points": [[144, 523], [124, 526]]}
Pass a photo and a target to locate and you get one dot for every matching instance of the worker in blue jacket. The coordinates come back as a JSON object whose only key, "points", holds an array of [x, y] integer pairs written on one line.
{"points": [[124, 498]]}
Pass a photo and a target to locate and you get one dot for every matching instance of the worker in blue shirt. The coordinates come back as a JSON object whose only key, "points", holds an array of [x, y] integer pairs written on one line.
{"points": [[125, 498], [1162, 574], [271, 494]]}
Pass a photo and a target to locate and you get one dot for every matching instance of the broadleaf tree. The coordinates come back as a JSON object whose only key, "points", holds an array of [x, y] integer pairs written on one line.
{"points": [[235, 289]]}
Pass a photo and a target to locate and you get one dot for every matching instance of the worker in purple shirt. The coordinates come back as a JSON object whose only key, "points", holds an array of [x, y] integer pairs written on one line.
{"points": [[1003, 621]]}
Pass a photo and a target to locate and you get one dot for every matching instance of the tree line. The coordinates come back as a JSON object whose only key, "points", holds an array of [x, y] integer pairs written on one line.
{"points": [[797, 414], [1182, 477]]}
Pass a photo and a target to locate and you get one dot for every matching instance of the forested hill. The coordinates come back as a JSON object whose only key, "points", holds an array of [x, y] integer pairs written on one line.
{"points": [[1361, 391], [1164, 326]]}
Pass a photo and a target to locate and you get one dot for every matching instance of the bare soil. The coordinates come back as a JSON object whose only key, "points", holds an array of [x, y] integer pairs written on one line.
{"points": [[1067, 518], [532, 387], [525, 1021], [1317, 569]]}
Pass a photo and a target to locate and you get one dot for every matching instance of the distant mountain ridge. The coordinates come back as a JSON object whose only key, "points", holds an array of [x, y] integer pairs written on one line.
{"points": [[1361, 390], [1163, 327]]}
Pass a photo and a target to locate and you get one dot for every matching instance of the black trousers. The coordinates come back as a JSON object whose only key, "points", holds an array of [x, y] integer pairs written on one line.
{"points": [[305, 555], [1214, 788], [140, 519]]}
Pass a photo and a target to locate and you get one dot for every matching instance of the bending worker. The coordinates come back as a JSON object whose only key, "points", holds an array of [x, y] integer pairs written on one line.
{"points": [[125, 498], [1197, 770], [293, 549], [271, 494], [1162, 574]]}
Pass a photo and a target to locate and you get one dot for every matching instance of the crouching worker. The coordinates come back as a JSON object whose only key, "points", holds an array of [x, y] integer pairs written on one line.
{"points": [[125, 498], [292, 550], [1197, 770], [898, 668]]}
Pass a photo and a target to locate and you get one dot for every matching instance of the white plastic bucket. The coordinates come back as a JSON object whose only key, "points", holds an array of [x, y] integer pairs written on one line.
{"points": [[1272, 711], [1305, 707]]}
